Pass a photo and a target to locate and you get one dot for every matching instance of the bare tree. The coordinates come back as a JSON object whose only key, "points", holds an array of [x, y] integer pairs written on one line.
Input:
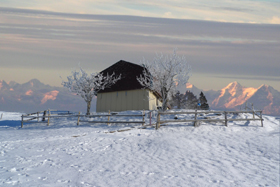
{"points": [[87, 86], [164, 74]]}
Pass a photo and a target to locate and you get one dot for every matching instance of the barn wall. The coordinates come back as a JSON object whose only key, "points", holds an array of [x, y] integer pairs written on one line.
{"points": [[125, 100]]}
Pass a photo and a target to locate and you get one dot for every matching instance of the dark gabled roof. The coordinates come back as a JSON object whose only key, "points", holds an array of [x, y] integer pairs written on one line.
{"points": [[128, 81]]}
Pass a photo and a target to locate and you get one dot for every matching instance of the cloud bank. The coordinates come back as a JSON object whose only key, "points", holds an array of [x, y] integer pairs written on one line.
{"points": [[51, 43]]}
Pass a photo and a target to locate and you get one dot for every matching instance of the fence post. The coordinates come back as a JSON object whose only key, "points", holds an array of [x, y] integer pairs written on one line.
{"points": [[195, 118], [253, 110], [21, 121], [150, 118], [1, 116], [226, 118], [143, 113], [108, 117], [49, 117], [37, 116], [43, 119], [158, 121], [78, 119], [261, 118]]}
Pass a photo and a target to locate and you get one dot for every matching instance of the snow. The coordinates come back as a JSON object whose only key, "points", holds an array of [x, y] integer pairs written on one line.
{"points": [[64, 154]]}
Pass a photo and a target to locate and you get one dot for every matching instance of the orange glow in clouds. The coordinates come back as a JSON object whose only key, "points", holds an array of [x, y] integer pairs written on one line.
{"points": [[49, 96]]}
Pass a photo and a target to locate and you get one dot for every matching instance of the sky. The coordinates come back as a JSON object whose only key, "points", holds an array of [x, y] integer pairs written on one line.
{"points": [[223, 40]]}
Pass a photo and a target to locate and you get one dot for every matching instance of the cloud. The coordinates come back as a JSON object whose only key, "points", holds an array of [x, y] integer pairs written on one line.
{"points": [[228, 11], [274, 20], [268, 78], [36, 43]]}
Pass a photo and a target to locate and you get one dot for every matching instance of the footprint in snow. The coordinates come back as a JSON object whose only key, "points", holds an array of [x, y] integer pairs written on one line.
{"points": [[63, 181], [42, 178]]}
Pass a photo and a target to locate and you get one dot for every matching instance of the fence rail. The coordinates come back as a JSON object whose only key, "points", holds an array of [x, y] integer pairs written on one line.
{"points": [[109, 115], [46, 114], [196, 120]]}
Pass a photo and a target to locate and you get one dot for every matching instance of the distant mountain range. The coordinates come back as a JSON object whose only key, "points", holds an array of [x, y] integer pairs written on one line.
{"points": [[234, 96], [34, 96]]}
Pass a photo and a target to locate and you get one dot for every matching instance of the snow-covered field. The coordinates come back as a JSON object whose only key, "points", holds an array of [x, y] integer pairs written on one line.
{"points": [[62, 154]]}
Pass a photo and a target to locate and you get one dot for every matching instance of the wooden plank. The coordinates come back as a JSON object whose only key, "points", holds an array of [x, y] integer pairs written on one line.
{"points": [[206, 120], [44, 115], [122, 130], [57, 116], [158, 122], [248, 119], [226, 119], [108, 117], [199, 112], [49, 118], [195, 118], [261, 119], [35, 122], [21, 121], [190, 120], [207, 112], [112, 121], [66, 116], [78, 119], [30, 119], [143, 118]]}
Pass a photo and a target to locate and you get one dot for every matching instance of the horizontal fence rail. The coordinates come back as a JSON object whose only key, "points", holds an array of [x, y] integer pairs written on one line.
{"points": [[109, 115], [46, 114], [196, 120]]}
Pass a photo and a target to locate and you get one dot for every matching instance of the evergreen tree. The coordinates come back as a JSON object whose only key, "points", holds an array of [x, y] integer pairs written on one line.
{"points": [[191, 100], [178, 101], [203, 102]]}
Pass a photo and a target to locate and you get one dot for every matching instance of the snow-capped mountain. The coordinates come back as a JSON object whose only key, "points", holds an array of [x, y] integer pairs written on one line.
{"points": [[34, 96], [234, 95]]}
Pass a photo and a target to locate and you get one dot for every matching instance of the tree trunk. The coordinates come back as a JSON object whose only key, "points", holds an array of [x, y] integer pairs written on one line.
{"points": [[164, 99], [88, 107]]}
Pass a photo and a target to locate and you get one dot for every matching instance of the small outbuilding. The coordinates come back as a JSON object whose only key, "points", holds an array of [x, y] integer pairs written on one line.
{"points": [[127, 93]]}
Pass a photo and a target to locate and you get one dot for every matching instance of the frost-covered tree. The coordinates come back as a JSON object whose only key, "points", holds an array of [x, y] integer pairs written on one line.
{"points": [[164, 74], [87, 86]]}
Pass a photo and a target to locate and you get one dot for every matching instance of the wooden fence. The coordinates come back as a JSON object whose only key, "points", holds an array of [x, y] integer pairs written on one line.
{"points": [[196, 120], [109, 117], [46, 114]]}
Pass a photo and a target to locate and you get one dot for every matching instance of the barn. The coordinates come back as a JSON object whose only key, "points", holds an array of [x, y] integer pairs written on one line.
{"points": [[127, 93]]}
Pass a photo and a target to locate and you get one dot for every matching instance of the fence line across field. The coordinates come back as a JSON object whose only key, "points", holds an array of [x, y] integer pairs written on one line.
{"points": [[195, 120], [47, 114]]}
